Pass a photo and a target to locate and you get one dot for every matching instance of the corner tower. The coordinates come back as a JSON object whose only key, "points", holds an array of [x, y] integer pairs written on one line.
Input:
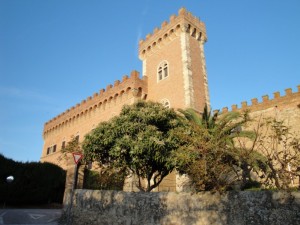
{"points": [[174, 62]]}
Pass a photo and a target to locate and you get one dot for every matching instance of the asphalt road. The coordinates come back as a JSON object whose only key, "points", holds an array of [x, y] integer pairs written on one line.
{"points": [[30, 216]]}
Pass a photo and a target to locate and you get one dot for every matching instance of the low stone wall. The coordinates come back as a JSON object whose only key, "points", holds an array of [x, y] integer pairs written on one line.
{"points": [[169, 208]]}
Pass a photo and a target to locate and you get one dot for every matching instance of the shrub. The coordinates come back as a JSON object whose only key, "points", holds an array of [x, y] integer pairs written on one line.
{"points": [[34, 183]]}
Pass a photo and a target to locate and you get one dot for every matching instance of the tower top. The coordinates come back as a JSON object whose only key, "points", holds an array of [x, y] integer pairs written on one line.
{"points": [[184, 22]]}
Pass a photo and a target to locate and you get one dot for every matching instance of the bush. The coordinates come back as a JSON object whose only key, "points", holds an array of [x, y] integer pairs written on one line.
{"points": [[34, 183], [104, 180]]}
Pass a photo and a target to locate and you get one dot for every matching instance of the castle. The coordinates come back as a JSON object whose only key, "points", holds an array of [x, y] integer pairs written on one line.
{"points": [[174, 73]]}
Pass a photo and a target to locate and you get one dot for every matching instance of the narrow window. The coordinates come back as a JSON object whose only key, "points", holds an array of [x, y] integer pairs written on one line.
{"points": [[162, 71], [165, 70], [48, 150], [77, 138], [54, 148], [194, 33]]}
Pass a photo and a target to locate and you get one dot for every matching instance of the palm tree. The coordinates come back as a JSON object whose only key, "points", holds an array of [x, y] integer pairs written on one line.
{"points": [[219, 158], [224, 127]]}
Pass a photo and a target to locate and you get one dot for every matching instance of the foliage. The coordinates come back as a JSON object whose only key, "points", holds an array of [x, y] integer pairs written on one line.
{"points": [[282, 150], [227, 150], [142, 140], [216, 160], [72, 146], [216, 151], [34, 183], [250, 162], [106, 179]]}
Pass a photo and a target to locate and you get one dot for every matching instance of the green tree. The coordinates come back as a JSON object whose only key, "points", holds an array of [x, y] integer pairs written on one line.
{"points": [[142, 140], [216, 159], [72, 146], [105, 179]]}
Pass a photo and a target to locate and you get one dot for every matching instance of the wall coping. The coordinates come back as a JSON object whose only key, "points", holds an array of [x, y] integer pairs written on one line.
{"points": [[104, 95], [266, 101]]}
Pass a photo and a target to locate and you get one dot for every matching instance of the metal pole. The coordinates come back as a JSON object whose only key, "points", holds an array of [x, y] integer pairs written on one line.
{"points": [[71, 197]]}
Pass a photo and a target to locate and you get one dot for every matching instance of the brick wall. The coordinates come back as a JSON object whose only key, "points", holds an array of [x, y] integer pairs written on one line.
{"points": [[285, 107], [82, 118]]}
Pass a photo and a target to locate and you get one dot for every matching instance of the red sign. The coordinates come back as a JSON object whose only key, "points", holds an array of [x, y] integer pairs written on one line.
{"points": [[77, 156]]}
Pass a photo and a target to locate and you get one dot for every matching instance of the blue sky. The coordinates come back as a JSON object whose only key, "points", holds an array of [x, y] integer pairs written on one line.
{"points": [[54, 53]]}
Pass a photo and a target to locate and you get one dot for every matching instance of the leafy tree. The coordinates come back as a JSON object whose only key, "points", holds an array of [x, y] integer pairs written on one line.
{"points": [[216, 159], [142, 140], [105, 179], [95, 178], [72, 146]]}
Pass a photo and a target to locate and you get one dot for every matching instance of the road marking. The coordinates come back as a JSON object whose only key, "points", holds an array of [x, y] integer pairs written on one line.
{"points": [[52, 220], [36, 216]]}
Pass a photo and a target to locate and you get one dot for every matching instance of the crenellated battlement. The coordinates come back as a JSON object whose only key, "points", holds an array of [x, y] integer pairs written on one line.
{"points": [[290, 97], [133, 85], [184, 22]]}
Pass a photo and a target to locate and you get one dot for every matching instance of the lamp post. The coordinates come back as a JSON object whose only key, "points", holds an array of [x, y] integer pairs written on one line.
{"points": [[8, 180]]}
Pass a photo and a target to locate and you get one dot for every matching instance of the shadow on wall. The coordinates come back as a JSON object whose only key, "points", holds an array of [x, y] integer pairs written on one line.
{"points": [[169, 208]]}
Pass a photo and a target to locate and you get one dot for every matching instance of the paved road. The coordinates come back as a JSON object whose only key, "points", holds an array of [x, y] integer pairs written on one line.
{"points": [[30, 216]]}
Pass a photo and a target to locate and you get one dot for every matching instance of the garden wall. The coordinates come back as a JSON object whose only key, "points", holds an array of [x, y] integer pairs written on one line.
{"points": [[170, 208]]}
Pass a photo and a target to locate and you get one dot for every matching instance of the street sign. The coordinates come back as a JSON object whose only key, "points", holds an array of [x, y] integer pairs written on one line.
{"points": [[77, 156]]}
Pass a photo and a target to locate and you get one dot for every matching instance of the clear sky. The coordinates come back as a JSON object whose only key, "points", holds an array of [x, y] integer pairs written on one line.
{"points": [[55, 53]]}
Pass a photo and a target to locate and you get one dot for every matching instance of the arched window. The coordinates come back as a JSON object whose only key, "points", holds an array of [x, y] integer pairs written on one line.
{"points": [[166, 103], [163, 71]]}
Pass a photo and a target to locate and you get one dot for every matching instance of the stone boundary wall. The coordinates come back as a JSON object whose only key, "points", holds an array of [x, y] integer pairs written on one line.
{"points": [[170, 208]]}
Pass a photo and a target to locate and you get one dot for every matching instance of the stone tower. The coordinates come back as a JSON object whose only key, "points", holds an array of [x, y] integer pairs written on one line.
{"points": [[174, 63]]}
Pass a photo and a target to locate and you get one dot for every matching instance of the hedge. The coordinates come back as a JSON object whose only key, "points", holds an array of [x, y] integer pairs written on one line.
{"points": [[34, 183]]}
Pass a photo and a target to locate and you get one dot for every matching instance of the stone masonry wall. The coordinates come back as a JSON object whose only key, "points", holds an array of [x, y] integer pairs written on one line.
{"points": [[170, 208]]}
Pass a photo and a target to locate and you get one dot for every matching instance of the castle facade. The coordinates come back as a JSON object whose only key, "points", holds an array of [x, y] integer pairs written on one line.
{"points": [[174, 73]]}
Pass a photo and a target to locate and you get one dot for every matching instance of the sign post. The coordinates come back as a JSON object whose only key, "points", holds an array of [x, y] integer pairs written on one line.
{"points": [[77, 157]]}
